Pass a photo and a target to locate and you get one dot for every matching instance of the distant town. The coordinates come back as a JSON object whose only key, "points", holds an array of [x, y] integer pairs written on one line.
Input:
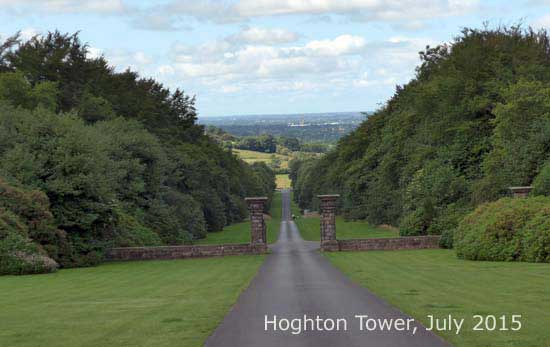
{"points": [[311, 127]]}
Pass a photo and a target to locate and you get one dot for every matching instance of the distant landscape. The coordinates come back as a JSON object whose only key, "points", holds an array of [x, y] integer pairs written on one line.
{"points": [[310, 127], [158, 227], [276, 140]]}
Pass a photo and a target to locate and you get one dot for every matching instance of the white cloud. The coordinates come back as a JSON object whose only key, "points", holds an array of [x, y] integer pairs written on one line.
{"points": [[222, 58], [542, 22], [326, 64], [158, 22], [174, 14], [256, 35], [230, 89], [166, 70], [402, 11], [379, 79], [123, 59], [28, 33], [341, 45], [64, 6], [94, 52]]}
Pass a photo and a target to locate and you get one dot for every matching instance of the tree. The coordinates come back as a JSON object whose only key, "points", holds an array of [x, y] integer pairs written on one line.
{"points": [[120, 158], [473, 122]]}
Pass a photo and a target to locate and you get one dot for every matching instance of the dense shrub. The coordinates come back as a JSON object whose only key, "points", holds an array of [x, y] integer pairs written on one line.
{"points": [[432, 199], [176, 217], [20, 256], [447, 238], [129, 232], [536, 238], [541, 184], [416, 222], [25, 216], [504, 230]]}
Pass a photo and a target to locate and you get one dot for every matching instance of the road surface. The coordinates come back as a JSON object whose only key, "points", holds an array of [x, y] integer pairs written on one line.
{"points": [[296, 280]]}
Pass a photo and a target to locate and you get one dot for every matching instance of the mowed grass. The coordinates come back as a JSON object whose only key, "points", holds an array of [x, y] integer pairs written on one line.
{"points": [[282, 181], [240, 232], [310, 229], [435, 282], [253, 157], [151, 303]]}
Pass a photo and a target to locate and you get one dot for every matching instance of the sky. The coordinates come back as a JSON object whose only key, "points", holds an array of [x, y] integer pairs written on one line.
{"points": [[269, 56]]}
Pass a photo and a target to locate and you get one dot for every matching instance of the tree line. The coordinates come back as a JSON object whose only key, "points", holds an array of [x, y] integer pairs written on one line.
{"points": [[91, 158], [265, 143], [473, 121]]}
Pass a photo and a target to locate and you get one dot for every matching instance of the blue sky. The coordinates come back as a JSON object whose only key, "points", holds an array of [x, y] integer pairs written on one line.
{"points": [[269, 56]]}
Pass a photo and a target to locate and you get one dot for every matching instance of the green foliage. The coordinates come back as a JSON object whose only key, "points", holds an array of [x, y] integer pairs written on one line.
{"points": [[27, 212], [505, 230], [541, 183], [15, 89], [177, 218], [109, 158], [292, 143], [264, 143], [262, 182], [428, 197], [536, 238], [474, 121], [25, 217], [66, 159], [20, 256], [95, 108], [129, 232], [521, 139]]}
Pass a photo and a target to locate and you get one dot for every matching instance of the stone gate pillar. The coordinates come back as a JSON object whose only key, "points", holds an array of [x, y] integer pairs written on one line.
{"points": [[328, 222], [520, 192], [258, 235]]}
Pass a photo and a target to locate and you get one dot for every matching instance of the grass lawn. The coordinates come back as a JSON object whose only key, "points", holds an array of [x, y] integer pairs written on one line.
{"points": [[253, 156], [423, 282], [294, 209], [151, 303], [240, 232], [310, 229], [283, 181]]}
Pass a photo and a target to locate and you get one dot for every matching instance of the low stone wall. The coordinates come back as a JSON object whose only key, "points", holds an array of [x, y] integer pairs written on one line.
{"points": [[182, 252], [383, 244]]}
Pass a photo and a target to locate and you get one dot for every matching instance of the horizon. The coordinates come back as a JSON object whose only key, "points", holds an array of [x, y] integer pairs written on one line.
{"points": [[284, 114], [242, 57]]}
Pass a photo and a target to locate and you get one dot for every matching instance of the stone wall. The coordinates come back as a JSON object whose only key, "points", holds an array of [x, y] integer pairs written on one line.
{"points": [[258, 233], [408, 242], [328, 221], [182, 252]]}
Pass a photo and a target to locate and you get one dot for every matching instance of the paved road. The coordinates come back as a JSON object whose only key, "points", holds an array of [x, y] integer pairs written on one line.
{"points": [[295, 280]]}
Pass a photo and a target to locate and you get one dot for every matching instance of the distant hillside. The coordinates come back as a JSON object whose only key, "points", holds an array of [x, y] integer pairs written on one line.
{"points": [[313, 127]]}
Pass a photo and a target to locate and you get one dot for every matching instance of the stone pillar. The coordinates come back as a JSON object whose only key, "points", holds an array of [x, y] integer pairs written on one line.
{"points": [[258, 235], [520, 192], [328, 222]]}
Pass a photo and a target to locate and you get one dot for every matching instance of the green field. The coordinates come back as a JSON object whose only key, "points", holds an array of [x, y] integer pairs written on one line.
{"points": [[282, 181], [240, 232], [423, 282], [151, 303], [253, 157], [310, 230]]}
